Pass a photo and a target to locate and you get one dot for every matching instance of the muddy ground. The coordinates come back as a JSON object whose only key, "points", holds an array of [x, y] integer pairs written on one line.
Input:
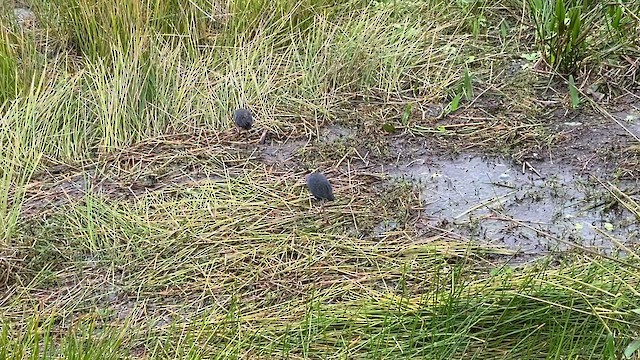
{"points": [[530, 196]]}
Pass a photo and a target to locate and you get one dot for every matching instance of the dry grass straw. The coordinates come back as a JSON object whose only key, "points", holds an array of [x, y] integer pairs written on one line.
{"points": [[194, 244], [243, 258]]}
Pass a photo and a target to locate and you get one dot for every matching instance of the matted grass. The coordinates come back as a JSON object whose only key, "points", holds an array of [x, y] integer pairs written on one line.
{"points": [[135, 224]]}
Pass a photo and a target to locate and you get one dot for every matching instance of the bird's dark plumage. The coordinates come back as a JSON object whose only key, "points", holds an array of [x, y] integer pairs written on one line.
{"points": [[243, 118], [319, 186]]}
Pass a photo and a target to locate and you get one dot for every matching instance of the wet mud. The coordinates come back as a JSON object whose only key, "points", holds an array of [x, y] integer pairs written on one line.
{"points": [[522, 208]]}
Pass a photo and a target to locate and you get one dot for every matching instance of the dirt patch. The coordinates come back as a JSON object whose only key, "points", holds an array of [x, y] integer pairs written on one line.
{"points": [[594, 143], [25, 18], [523, 209], [170, 161], [281, 153]]}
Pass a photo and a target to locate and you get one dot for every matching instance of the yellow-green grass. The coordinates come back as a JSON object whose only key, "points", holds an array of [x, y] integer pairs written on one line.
{"points": [[237, 262]]}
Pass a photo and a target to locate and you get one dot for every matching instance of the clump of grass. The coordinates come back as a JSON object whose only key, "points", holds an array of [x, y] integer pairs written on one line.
{"points": [[8, 70], [569, 32], [20, 62], [19, 159], [38, 339], [12, 181], [47, 120], [249, 18], [98, 29]]}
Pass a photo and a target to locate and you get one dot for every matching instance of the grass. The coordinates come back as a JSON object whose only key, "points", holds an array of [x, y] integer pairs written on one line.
{"points": [[136, 224], [564, 28]]}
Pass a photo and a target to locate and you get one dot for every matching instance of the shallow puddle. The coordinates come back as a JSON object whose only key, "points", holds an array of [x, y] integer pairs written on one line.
{"points": [[522, 209]]}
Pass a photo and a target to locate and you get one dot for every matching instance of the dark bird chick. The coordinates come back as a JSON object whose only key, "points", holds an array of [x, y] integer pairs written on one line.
{"points": [[319, 186], [243, 119]]}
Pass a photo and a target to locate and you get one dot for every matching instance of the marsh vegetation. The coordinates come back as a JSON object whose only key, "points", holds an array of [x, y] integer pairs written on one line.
{"points": [[135, 222]]}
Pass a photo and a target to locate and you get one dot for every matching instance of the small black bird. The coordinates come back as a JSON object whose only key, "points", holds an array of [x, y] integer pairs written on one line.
{"points": [[319, 186], [243, 118]]}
